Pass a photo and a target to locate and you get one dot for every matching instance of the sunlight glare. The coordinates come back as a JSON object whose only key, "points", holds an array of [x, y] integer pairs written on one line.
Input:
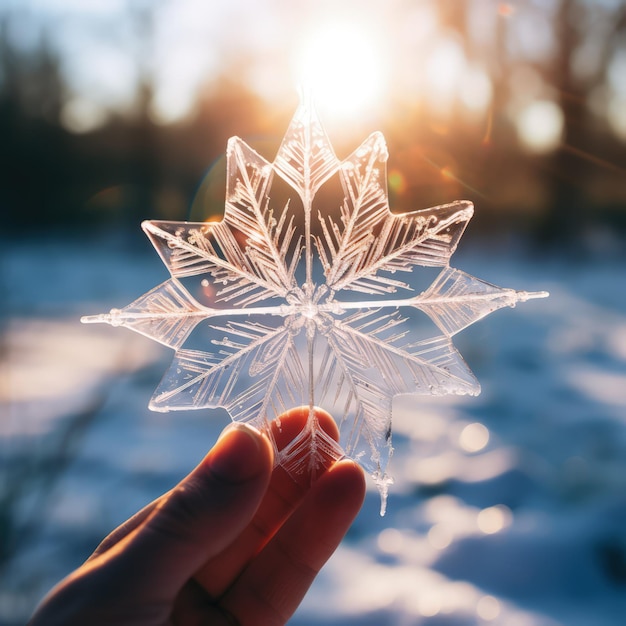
{"points": [[343, 67]]}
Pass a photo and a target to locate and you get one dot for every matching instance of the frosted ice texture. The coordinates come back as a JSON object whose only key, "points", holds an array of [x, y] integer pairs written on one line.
{"points": [[309, 303]]}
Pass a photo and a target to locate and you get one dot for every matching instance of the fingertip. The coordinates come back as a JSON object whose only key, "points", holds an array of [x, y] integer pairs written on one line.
{"points": [[343, 486], [274, 582], [286, 427], [241, 453]]}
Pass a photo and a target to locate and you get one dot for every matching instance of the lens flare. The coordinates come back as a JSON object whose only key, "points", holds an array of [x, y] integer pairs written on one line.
{"points": [[396, 181]]}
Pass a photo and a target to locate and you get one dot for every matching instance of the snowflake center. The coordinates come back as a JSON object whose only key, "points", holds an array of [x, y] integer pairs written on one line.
{"points": [[309, 310], [305, 302]]}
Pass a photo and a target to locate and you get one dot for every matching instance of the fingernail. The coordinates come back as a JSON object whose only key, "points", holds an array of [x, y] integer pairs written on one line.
{"points": [[238, 454], [238, 426]]}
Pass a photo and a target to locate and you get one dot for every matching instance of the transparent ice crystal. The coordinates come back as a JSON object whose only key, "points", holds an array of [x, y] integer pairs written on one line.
{"points": [[312, 301]]}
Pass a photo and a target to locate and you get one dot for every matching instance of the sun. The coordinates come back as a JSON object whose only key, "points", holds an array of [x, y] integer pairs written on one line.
{"points": [[344, 68]]}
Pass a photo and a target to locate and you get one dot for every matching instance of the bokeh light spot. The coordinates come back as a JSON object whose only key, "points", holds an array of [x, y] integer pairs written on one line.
{"points": [[390, 541], [616, 116], [540, 126], [439, 537], [474, 437], [80, 115], [476, 89], [445, 68], [429, 604], [488, 608], [494, 519], [616, 72]]}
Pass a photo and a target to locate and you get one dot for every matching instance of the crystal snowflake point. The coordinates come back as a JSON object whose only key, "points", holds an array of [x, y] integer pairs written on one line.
{"points": [[279, 305]]}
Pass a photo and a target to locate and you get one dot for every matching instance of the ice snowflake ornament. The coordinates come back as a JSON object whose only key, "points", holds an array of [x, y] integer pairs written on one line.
{"points": [[312, 304]]}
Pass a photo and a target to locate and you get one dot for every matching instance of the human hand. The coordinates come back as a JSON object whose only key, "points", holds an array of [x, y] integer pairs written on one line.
{"points": [[235, 543]]}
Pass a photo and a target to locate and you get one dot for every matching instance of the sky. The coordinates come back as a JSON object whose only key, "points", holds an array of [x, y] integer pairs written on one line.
{"points": [[357, 55]]}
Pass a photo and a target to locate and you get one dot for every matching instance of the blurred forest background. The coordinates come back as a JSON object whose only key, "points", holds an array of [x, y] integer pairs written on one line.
{"points": [[111, 112]]}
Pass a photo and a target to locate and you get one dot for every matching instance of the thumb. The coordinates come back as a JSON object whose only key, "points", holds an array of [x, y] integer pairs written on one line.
{"points": [[197, 519]]}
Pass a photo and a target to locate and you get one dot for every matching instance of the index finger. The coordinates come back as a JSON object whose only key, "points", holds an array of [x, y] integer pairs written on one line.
{"points": [[272, 586], [285, 492]]}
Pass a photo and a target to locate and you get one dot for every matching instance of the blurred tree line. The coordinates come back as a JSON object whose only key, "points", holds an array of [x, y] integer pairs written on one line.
{"points": [[130, 169], [134, 168]]}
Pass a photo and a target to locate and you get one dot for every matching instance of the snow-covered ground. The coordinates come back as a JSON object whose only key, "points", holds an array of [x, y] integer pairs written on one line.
{"points": [[508, 509]]}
